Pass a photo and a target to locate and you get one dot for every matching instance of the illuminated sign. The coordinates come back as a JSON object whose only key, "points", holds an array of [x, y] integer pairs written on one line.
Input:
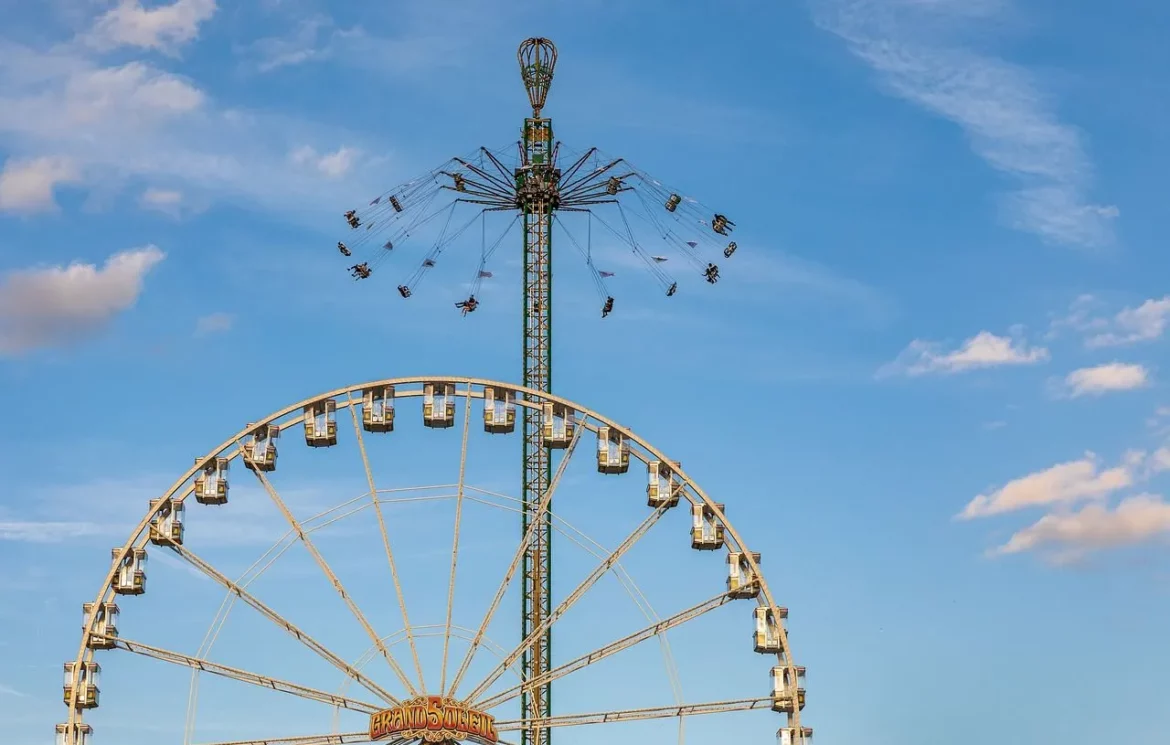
{"points": [[433, 719]]}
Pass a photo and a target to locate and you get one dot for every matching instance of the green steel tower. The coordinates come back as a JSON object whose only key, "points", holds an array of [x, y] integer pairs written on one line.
{"points": [[537, 190]]}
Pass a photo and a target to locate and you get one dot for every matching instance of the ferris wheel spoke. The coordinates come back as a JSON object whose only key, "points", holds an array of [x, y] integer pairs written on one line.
{"points": [[585, 660], [605, 566], [333, 578], [361, 442], [245, 676], [342, 738], [542, 509], [285, 624], [629, 715], [455, 540]]}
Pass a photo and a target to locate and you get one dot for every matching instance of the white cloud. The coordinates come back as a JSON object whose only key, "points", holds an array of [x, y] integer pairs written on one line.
{"points": [[27, 186], [161, 200], [164, 28], [135, 123], [985, 349], [1146, 322], [52, 306], [331, 165], [214, 323], [1135, 520], [1008, 119], [1064, 483], [1112, 376], [1160, 460]]}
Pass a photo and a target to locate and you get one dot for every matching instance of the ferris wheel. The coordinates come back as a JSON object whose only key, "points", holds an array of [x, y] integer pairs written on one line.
{"points": [[428, 570]]}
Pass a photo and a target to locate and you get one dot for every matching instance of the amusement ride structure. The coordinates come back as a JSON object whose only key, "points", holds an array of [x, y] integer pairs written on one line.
{"points": [[535, 189]]}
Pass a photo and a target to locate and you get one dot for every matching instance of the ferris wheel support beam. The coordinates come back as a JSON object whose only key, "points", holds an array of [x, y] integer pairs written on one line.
{"points": [[612, 648], [292, 629], [455, 539], [361, 442], [341, 738], [568, 602], [333, 578], [630, 715], [245, 676], [521, 552]]}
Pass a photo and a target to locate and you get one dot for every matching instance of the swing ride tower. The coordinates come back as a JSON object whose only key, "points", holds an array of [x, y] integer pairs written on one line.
{"points": [[537, 192], [532, 183]]}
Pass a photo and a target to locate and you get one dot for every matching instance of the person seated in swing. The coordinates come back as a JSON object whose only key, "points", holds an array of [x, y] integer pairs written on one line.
{"points": [[352, 218], [720, 224], [404, 291], [607, 308], [672, 289], [360, 271], [343, 249], [712, 273], [469, 305]]}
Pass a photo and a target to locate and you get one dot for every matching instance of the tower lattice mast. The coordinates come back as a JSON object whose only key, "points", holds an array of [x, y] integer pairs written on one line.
{"points": [[537, 191]]}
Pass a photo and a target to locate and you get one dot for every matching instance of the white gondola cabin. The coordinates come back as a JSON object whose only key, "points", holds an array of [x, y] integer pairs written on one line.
{"points": [[499, 411], [439, 405], [87, 678], [130, 577], [105, 626], [769, 624], [790, 736], [558, 424], [211, 484], [260, 450], [742, 580], [662, 487], [77, 733], [613, 452], [321, 424], [378, 409], [787, 688], [706, 530], [166, 527]]}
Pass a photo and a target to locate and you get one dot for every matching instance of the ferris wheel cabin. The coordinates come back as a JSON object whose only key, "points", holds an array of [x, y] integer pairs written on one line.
{"points": [[166, 527], [613, 452], [130, 574], [105, 627], [211, 484], [559, 424], [706, 530], [499, 411], [787, 688], [321, 424], [662, 489], [742, 580], [86, 677], [439, 405], [260, 451], [378, 409], [768, 627]]}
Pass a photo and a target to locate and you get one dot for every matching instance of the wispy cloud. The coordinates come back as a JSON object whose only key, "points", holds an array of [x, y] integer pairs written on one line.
{"points": [[10, 691], [1012, 125], [1071, 535], [1063, 483], [983, 350], [214, 323], [1112, 376]]}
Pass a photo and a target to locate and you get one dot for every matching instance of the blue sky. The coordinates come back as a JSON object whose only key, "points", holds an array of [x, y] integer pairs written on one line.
{"points": [[929, 386]]}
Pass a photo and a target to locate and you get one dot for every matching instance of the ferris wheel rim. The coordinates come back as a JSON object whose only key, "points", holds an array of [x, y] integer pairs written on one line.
{"points": [[525, 397]]}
